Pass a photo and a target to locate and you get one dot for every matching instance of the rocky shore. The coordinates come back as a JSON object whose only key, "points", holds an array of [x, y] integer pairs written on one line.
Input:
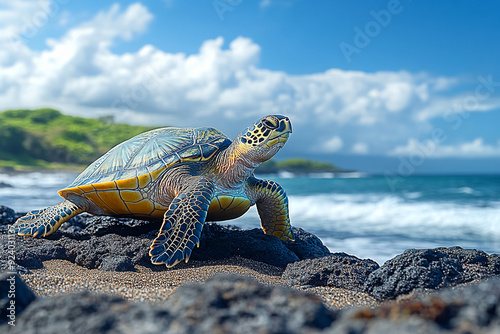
{"points": [[94, 276]]}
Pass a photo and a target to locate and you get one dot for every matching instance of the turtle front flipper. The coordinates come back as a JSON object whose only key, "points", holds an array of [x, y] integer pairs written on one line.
{"points": [[41, 223], [272, 205], [182, 224]]}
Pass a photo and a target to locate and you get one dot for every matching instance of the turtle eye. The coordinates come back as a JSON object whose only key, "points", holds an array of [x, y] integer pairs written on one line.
{"points": [[269, 124]]}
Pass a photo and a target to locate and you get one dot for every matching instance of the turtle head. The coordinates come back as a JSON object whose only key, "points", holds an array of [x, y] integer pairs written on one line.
{"points": [[262, 140]]}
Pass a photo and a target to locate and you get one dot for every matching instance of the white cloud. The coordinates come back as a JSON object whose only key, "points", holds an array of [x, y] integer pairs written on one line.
{"points": [[79, 68], [431, 149], [333, 144], [360, 148], [76, 69], [23, 19], [443, 107], [220, 85]]}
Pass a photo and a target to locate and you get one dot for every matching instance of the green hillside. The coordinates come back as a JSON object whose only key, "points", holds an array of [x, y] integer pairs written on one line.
{"points": [[46, 138]]}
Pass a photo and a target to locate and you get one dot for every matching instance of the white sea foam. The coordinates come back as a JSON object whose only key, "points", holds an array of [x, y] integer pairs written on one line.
{"points": [[30, 180], [286, 175], [377, 213], [33, 190], [381, 226], [466, 190], [462, 190], [412, 195], [325, 175]]}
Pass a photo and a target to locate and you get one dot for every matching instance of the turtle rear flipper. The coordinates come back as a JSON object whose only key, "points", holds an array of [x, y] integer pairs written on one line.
{"points": [[41, 223], [182, 224]]}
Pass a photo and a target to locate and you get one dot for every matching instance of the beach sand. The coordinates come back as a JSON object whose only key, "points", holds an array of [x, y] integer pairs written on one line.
{"points": [[156, 285]]}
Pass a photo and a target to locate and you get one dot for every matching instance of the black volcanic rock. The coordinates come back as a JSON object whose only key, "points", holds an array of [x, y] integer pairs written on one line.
{"points": [[102, 225], [232, 304], [223, 304], [7, 217], [337, 270], [307, 245], [218, 241], [91, 313], [467, 309], [117, 263], [108, 242], [430, 269], [91, 252], [119, 244], [222, 241], [15, 296]]}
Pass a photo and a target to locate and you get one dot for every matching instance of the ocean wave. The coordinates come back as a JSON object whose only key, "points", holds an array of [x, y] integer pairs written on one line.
{"points": [[466, 190], [381, 227], [370, 213], [413, 194], [461, 191], [31, 191], [37, 179]]}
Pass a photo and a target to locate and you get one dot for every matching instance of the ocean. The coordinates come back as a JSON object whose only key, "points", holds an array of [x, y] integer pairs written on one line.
{"points": [[363, 215]]}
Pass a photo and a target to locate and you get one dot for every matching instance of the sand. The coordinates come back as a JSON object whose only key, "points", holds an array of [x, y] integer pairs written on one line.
{"points": [[156, 285]]}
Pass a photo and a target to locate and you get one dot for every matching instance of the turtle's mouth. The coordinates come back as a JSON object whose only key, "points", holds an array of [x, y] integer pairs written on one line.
{"points": [[278, 139]]}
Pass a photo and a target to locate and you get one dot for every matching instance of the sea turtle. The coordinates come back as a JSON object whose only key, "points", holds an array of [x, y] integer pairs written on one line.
{"points": [[183, 176]]}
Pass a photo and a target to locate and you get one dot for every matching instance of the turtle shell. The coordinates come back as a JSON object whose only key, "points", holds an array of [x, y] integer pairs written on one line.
{"points": [[152, 151]]}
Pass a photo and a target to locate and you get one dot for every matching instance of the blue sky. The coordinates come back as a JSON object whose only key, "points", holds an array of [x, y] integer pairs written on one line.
{"points": [[372, 85]]}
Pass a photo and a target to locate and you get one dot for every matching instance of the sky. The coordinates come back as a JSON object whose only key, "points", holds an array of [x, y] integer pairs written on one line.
{"points": [[392, 87]]}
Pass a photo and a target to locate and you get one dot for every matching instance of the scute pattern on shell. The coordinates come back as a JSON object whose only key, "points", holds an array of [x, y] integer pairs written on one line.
{"points": [[152, 150]]}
